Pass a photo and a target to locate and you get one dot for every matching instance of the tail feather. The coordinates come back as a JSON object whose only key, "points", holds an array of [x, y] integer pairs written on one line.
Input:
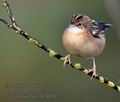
{"points": [[103, 26]]}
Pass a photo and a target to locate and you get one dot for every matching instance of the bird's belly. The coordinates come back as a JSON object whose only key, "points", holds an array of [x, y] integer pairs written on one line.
{"points": [[84, 48], [87, 50]]}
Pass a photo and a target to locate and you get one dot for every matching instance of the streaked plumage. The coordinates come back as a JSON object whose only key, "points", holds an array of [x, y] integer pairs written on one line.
{"points": [[85, 38]]}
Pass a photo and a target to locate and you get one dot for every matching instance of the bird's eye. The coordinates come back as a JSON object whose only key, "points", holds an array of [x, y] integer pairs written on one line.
{"points": [[79, 24]]}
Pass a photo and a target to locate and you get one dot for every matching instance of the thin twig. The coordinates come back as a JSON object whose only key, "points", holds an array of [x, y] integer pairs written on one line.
{"points": [[51, 52]]}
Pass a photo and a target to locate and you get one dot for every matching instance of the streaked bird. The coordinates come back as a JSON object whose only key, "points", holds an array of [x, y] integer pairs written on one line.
{"points": [[84, 37]]}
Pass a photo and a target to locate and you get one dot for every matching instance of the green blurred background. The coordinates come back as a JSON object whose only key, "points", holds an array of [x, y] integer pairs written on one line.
{"points": [[24, 65]]}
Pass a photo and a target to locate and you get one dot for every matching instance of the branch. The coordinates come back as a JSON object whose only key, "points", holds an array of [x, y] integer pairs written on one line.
{"points": [[51, 52]]}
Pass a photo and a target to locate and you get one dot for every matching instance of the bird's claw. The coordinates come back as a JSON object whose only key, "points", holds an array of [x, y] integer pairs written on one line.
{"points": [[94, 73], [67, 59]]}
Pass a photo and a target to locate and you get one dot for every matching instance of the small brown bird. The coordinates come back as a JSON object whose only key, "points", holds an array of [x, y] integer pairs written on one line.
{"points": [[85, 38]]}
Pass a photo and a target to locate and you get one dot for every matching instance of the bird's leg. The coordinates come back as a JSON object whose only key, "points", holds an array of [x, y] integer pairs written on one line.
{"points": [[67, 59], [93, 70]]}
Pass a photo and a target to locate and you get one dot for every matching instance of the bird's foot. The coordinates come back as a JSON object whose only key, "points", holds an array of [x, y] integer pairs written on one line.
{"points": [[94, 73], [67, 59]]}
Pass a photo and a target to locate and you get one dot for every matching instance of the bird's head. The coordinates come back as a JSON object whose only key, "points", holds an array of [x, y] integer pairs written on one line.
{"points": [[80, 20]]}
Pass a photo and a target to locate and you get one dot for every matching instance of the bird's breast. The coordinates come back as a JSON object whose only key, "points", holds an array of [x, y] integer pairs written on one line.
{"points": [[82, 43]]}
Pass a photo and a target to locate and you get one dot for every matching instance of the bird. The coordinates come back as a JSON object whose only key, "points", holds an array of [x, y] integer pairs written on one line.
{"points": [[84, 37]]}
